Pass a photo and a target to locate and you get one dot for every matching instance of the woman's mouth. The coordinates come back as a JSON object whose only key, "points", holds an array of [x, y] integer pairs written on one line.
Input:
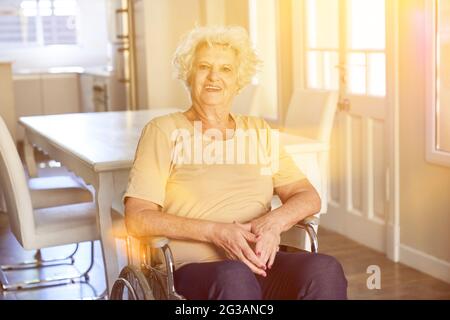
{"points": [[211, 88]]}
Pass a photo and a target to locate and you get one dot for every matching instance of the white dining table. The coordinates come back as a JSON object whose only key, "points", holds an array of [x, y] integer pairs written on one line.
{"points": [[100, 148]]}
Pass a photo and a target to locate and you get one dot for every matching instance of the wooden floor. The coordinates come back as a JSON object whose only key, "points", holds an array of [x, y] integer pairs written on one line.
{"points": [[397, 281]]}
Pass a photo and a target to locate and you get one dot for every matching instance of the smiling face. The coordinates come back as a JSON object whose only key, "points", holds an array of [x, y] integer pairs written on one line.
{"points": [[214, 77]]}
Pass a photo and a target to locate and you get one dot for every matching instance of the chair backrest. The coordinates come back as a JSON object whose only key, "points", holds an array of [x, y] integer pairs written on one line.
{"points": [[245, 102], [15, 189], [311, 114]]}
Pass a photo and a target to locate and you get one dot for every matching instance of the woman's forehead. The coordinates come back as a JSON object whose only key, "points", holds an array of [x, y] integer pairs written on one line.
{"points": [[215, 51]]}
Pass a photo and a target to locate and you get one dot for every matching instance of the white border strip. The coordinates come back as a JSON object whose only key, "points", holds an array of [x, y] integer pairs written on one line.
{"points": [[424, 262]]}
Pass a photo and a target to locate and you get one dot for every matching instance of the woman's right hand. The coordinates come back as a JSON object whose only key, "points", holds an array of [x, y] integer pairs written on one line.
{"points": [[234, 239]]}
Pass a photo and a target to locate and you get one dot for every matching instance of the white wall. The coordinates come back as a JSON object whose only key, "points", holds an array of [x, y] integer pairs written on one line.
{"points": [[166, 22], [424, 187], [91, 51]]}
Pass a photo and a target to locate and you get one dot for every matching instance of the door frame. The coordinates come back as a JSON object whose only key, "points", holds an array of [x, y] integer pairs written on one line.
{"points": [[392, 198], [393, 137]]}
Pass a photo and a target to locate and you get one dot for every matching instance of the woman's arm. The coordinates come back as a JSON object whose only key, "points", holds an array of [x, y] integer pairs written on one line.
{"points": [[144, 218], [300, 200]]}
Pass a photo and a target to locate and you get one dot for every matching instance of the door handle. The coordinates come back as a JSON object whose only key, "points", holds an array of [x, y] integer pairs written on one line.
{"points": [[122, 36], [344, 105], [123, 49]]}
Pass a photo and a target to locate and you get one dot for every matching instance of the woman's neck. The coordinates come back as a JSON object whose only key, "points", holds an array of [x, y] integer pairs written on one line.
{"points": [[217, 118]]}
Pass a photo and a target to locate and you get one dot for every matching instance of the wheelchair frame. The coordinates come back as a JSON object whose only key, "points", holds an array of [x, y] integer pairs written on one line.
{"points": [[148, 283]]}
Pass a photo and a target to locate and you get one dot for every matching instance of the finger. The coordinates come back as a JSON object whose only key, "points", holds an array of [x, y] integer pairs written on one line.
{"points": [[263, 250], [250, 255], [272, 258], [230, 255], [253, 267], [245, 226], [265, 256], [251, 237], [258, 248]]}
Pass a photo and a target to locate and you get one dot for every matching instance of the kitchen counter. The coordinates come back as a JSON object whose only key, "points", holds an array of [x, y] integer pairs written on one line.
{"points": [[102, 71]]}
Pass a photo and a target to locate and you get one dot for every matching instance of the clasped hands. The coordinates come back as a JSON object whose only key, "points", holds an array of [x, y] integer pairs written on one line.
{"points": [[255, 243]]}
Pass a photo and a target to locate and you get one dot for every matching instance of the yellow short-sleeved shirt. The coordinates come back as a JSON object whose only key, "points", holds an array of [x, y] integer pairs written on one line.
{"points": [[220, 180]]}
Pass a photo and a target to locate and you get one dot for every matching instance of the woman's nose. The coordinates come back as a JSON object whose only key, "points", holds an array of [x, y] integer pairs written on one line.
{"points": [[213, 74]]}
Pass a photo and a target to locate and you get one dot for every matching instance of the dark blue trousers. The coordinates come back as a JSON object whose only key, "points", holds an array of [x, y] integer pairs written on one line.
{"points": [[293, 276]]}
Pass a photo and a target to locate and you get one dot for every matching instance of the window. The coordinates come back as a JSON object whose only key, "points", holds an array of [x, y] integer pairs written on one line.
{"points": [[38, 22], [346, 47], [438, 82]]}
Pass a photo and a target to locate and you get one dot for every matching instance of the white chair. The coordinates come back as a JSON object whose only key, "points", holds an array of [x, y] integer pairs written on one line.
{"points": [[310, 114], [56, 191], [49, 192], [247, 101], [37, 228]]}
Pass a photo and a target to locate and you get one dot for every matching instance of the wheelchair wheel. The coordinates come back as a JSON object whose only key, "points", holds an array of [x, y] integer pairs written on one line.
{"points": [[132, 284], [157, 281]]}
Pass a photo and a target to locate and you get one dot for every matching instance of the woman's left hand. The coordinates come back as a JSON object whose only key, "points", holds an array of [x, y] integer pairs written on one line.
{"points": [[267, 246], [269, 230]]}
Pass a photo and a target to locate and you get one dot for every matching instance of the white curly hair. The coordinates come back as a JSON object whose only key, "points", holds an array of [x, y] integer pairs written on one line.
{"points": [[234, 37]]}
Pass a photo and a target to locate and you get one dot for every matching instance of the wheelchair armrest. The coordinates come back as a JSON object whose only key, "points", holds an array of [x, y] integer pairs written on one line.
{"points": [[155, 242], [309, 224], [163, 244]]}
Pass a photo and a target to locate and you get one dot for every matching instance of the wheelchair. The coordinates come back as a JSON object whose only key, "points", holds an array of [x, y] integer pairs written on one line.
{"points": [[144, 281]]}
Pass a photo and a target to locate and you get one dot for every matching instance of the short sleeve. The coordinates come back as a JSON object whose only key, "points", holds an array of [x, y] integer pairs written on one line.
{"points": [[151, 166], [288, 172]]}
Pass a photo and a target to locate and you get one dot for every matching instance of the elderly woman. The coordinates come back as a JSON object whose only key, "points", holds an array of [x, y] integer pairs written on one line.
{"points": [[195, 180]]}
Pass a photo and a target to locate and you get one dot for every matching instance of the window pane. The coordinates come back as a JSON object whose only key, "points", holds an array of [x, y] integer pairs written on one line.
{"points": [[323, 23], [17, 22], [65, 7], [377, 74], [367, 24], [20, 23], [45, 8], [314, 70], [321, 70], [331, 73], [59, 30], [443, 76], [29, 8], [356, 73]]}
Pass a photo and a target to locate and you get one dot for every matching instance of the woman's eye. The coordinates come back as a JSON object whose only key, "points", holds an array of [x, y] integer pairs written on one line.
{"points": [[203, 67], [226, 69]]}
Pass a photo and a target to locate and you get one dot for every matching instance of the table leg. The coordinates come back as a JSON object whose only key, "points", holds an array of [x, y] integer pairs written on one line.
{"points": [[322, 159], [104, 198], [30, 161]]}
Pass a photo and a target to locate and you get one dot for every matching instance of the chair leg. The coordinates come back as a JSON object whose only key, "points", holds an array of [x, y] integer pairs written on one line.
{"points": [[38, 262], [46, 282], [85, 274]]}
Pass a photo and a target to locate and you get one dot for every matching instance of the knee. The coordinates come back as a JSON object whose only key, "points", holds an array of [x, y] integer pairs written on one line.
{"points": [[323, 266], [236, 281], [327, 273]]}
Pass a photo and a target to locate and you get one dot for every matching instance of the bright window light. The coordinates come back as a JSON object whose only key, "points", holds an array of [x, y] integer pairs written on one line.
{"points": [[38, 23], [367, 24]]}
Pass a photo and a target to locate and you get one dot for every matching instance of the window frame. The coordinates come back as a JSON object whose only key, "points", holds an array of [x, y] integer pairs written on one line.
{"points": [[40, 37], [433, 154]]}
